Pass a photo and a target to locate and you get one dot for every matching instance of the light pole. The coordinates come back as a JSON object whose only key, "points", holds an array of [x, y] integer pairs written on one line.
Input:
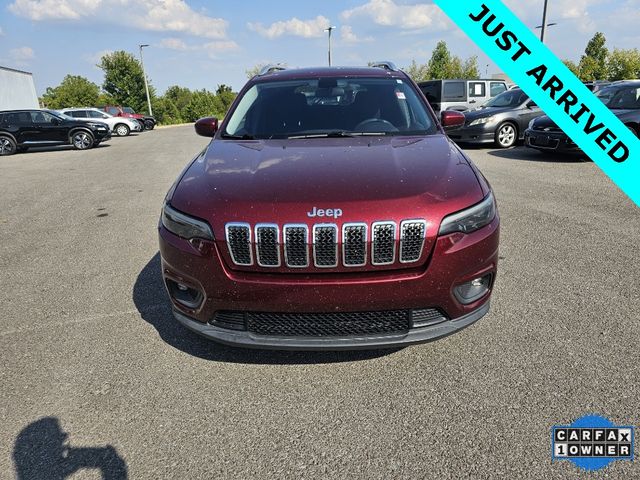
{"points": [[329, 29], [544, 21], [146, 84]]}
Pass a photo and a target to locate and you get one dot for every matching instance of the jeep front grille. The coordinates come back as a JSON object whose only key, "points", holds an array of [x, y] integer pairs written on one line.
{"points": [[296, 246], [325, 244], [267, 245], [354, 244], [239, 241], [383, 250], [412, 235]]}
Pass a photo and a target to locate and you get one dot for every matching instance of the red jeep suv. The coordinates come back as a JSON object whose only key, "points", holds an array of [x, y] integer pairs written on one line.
{"points": [[330, 211]]}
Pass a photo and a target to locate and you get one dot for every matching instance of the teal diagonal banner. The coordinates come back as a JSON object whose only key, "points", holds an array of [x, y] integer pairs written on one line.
{"points": [[582, 116]]}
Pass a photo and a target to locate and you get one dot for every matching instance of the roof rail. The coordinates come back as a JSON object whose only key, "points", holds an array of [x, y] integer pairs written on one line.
{"points": [[271, 68], [386, 65]]}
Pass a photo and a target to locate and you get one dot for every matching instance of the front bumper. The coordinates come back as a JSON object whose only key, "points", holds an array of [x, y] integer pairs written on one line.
{"points": [[476, 134], [249, 340], [550, 141], [455, 259]]}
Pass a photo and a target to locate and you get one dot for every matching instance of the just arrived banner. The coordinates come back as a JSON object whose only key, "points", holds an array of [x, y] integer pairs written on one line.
{"points": [[556, 90]]}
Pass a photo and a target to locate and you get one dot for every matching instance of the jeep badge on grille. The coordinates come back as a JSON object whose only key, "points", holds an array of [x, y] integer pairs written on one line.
{"points": [[329, 212]]}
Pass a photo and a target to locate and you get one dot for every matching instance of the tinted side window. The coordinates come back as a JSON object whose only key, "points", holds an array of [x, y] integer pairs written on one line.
{"points": [[431, 90], [112, 110], [74, 114], [497, 88], [94, 114], [18, 118], [454, 91]]}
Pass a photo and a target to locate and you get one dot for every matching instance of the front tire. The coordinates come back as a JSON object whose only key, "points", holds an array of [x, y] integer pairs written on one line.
{"points": [[7, 146], [506, 135], [149, 124], [122, 130], [82, 140]]}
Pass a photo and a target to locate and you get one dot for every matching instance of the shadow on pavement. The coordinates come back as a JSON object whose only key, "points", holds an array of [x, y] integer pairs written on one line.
{"points": [[531, 155], [61, 148], [154, 306], [41, 451]]}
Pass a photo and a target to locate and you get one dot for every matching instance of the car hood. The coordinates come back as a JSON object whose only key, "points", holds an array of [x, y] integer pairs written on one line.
{"points": [[366, 178]]}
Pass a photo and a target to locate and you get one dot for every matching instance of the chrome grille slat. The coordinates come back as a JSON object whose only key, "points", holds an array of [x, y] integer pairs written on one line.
{"points": [[325, 245], [239, 243], [267, 237], [383, 243], [354, 244], [412, 236], [296, 245]]}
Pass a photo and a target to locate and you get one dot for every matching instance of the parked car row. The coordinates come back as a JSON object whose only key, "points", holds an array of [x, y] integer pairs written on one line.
{"points": [[511, 116], [81, 128]]}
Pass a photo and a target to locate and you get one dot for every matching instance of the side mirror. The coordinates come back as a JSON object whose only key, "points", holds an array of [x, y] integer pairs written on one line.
{"points": [[451, 119], [55, 121], [532, 105], [207, 126]]}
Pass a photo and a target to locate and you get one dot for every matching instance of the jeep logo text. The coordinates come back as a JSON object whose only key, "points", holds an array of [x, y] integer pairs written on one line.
{"points": [[329, 212]]}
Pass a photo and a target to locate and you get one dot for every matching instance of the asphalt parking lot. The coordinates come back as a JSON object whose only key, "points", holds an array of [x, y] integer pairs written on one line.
{"points": [[88, 347]]}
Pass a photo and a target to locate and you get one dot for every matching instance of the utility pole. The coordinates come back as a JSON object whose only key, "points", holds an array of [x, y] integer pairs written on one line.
{"points": [[544, 21], [146, 84], [329, 29]]}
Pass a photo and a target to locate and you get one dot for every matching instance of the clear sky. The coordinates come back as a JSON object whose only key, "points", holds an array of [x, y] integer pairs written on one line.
{"points": [[200, 44]]}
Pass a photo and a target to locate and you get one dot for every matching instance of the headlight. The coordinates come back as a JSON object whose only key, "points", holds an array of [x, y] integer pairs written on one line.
{"points": [[531, 123], [185, 226], [481, 121], [471, 219]]}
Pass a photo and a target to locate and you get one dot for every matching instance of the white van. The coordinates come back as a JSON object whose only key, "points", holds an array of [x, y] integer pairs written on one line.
{"points": [[460, 95]]}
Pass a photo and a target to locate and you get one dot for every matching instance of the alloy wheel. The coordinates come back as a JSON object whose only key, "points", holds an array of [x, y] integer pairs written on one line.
{"points": [[6, 146], [507, 135], [82, 141]]}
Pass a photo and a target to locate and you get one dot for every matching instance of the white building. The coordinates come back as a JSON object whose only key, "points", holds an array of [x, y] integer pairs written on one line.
{"points": [[17, 90]]}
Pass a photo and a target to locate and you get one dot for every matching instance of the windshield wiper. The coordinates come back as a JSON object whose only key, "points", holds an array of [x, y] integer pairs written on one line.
{"points": [[238, 137], [338, 134]]}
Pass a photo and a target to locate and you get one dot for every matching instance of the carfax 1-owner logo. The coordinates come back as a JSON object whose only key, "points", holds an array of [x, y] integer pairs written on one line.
{"points": [[592, 442]]}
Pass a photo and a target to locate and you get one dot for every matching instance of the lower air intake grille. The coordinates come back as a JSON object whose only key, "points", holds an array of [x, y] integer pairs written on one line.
{"points": [[329, 324]]}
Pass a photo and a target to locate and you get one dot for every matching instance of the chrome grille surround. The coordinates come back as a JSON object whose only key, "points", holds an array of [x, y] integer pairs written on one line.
{"points": [[296, 245], [267, 238], [325, 245], [354, 244], [383, 243], [412, 237], [238, 237]]}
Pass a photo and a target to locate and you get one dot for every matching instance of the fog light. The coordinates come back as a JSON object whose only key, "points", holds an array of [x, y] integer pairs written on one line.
{"points": [[184, 295], [471, 291]]}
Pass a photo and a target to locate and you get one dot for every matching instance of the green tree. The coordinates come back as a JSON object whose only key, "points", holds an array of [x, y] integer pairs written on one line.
{"points": [[440, 61], [203, 103], [225, 96], [571, 65], [470, 68], [624, 64], [73, 91], [124, 80], [593, 64], [418, 72]]}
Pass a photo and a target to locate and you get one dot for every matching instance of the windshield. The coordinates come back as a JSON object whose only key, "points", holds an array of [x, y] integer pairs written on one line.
{"points": [[510, 98], [61, 115], [128, 110], [620, 97], [329, 107]]}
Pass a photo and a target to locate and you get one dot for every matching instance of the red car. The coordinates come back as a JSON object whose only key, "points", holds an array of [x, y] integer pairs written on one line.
{"points": [[146, 122], [330, 211]]}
